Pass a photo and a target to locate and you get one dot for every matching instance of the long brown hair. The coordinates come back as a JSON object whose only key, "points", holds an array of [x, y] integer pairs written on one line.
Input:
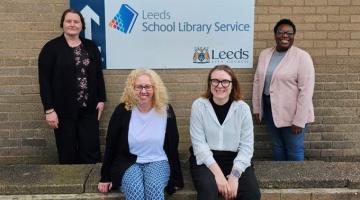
{"points": [[235, 91]]}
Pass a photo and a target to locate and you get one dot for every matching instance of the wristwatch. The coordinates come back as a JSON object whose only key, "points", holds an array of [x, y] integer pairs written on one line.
{"points": [[235, 173]]}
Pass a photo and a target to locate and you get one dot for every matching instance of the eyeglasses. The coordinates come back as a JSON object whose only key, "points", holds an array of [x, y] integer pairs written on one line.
{"points": [[215, 82], [139, 88], [282, 33]]}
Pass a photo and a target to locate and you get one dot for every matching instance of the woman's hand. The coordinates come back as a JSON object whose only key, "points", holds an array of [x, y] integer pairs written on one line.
{"points": [[295, 129], [104, 187], [234, 184], [100, 108], [52, 119], [222, 185], [257, 118], [221, 182]]}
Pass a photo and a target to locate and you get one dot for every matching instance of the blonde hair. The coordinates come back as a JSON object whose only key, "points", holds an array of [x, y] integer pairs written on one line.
{"points": [[160, 97]]}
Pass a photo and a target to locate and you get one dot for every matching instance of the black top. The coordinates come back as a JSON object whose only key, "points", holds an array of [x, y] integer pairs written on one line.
{"points": [[221, 110], [57, 77], [118, 159]]}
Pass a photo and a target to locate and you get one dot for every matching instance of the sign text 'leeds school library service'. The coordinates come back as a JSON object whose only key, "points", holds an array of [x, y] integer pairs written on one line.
{"points": [[170, 33]]}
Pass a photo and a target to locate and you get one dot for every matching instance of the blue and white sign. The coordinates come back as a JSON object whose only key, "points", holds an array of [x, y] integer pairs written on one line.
{"points": [[174, 34]]}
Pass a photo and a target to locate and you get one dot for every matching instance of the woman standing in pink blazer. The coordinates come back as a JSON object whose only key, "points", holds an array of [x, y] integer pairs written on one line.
{"points": [[282, 93]]}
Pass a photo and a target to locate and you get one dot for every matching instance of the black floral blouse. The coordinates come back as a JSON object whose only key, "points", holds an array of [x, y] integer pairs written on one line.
{"points": [[82, 62]]}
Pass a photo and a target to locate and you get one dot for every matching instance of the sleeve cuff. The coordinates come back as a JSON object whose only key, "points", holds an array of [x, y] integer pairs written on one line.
{"points": [[299, 124], [209, 161], [241, 167]]}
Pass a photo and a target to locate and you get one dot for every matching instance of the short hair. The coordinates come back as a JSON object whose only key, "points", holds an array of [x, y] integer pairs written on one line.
{"points": [[160, 97], [70, 10], [284, 21], [235, 91]]}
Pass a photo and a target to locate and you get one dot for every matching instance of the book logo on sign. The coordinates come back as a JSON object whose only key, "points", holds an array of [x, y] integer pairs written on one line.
{"points": [[201, 55], [124, 20]]}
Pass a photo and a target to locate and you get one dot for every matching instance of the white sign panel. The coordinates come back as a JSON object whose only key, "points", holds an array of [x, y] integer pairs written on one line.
{"points": [[179, 34]]}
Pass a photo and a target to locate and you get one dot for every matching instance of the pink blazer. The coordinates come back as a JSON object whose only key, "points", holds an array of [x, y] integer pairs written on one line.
{"points": [[291, 88]]}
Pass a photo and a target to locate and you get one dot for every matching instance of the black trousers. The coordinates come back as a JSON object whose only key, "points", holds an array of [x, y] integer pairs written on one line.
{"points": [[205, 184], [77, 140]]}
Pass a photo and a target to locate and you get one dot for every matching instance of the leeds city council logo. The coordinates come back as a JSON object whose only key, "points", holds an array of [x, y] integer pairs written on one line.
{"points": [[201, 55]]}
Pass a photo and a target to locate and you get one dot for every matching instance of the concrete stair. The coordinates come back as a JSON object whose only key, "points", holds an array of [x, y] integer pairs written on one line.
{"points": [[309, 180]]}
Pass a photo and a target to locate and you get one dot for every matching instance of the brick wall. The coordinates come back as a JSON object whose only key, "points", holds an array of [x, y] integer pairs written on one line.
{"points": [[328, 29]]}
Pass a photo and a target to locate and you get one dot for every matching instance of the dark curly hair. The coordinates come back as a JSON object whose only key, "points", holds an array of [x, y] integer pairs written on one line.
{"points": [[284, 21]]}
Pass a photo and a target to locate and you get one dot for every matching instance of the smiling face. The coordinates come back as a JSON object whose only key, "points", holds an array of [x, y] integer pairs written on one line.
{"points": [[284, 37], [144, 90], [220, 93], [72, 25]]}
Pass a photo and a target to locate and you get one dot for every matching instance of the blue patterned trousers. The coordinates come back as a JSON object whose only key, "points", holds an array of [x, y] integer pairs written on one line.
{"points": [[146, 181]]}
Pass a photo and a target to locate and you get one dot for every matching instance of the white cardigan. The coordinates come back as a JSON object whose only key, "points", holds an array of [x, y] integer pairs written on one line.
{"points": [[236, 134]]}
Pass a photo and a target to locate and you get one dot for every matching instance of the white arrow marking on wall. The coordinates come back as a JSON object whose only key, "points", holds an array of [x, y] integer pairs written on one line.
{"points": [[89, 14]]}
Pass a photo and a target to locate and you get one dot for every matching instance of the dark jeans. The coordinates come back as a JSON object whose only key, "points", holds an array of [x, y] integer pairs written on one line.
{"points": [[205, 184], [77, 140], [286, 144]]}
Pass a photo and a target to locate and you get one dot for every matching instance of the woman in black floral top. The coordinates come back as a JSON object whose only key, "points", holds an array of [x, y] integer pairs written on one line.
{"points": [[72, 91]]}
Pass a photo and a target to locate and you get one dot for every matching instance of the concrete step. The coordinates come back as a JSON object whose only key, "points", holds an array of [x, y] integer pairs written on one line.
{"points": [[267, 194], [309, 180]]}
